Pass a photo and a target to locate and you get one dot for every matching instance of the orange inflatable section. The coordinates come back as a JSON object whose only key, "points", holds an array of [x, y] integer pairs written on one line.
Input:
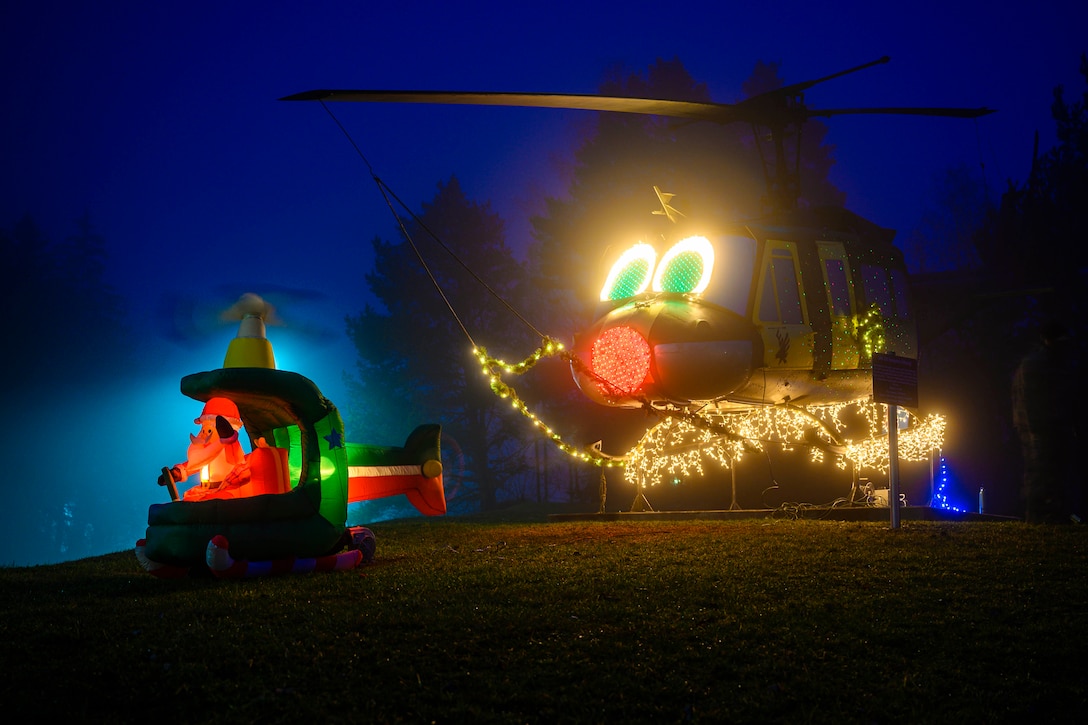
{"points": [[268, 474], [426, 494]]}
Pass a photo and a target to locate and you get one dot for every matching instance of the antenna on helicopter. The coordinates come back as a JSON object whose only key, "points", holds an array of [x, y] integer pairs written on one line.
{"points": [[666, 210]]}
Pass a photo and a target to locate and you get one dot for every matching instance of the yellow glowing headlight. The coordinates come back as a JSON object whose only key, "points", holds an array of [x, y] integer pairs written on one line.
{"points": [[631, 273], [686, 268]]}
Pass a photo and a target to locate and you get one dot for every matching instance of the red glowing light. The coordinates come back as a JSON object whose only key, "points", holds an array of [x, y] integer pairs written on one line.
{"points": [[621, 361]]}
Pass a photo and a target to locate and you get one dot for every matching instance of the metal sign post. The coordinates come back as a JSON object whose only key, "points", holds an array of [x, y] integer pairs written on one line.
{"points": [[895, 382], [893, 464]]}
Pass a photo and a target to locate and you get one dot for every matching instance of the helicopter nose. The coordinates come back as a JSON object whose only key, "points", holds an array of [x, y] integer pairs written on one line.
{"points": [[620, 361], [703, 370]]}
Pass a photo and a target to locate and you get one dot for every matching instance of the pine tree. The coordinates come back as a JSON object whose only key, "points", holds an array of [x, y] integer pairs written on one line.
{"points": [[416, 360]]}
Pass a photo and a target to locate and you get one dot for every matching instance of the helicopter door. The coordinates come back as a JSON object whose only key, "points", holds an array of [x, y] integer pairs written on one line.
{"points": [[840, 292], [787, 336]]}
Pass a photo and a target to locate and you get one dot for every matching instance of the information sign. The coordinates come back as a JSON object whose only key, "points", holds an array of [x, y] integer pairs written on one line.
{"points": [[895, 380]]}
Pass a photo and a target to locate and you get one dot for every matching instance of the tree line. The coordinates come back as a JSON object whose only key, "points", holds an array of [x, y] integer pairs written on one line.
{"points": [[63, 318], [1019, 271], [65, 334], [1021, 261]]}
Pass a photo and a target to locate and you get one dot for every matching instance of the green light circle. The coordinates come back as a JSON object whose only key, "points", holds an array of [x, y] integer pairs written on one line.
{"points": [[683, 272], [629, 280]]}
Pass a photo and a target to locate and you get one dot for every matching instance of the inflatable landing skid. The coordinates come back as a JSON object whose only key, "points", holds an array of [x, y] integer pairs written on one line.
{"points": [[360, 542]]}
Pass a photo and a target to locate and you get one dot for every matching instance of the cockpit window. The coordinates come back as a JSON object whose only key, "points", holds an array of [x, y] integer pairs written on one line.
{"points": [[720, 271], [735, 258], [631, 273], [839, 287], [686, 268], [837, 276]]}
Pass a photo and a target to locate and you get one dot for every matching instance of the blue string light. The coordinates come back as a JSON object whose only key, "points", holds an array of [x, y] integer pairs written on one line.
{"points": [[940, 496]]}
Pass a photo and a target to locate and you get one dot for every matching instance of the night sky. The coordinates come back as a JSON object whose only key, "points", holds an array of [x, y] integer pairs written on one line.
{"points": [[162, 121]]}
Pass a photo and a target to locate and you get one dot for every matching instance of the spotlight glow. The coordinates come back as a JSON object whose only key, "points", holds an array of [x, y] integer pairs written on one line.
{"points": [[686, 268], [630, 274]]}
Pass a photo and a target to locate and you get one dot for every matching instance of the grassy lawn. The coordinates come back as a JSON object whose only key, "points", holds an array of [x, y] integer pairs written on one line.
{"points": [[470, 620]]}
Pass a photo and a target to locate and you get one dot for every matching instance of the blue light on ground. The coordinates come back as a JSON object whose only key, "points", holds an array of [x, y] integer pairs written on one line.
{"points": [[945, 481]]}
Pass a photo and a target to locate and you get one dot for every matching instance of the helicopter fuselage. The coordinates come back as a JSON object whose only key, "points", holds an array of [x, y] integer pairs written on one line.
{"points": [[787, 308]]}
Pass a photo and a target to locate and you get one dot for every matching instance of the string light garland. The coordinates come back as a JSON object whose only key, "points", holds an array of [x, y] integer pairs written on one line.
{"points": [[679, 444], [940, 496], [493, 368], [915, 443], [870, 332]]}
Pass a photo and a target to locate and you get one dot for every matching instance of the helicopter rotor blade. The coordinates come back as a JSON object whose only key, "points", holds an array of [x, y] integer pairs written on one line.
{"points": [[764, 109], [795, 88], [776, 110], [585, 102], [901, 111], [722, 113]]}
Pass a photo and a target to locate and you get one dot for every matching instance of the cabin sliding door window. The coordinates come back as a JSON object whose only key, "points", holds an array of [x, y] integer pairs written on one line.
{"points": [[840, 294], [837, 277], [887, 289], [787, 337], [889, 294], [899, 291], [780, 300]]}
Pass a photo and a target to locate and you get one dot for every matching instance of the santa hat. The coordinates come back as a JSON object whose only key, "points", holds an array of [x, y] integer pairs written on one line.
{"points": [[220, 406]]}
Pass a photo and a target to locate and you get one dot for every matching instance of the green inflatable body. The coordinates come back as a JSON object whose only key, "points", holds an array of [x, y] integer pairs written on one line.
{"points": [[289, 412]]}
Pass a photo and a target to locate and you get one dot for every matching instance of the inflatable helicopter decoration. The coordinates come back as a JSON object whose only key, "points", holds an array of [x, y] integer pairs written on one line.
{"points": [[785, 308], [283, 506]]}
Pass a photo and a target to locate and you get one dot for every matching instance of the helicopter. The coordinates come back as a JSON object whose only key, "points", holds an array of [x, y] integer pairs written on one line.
{"points": [[784, 308]]}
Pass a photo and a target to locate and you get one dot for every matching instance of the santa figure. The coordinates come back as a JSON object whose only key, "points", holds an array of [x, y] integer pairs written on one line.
{"points": [[215, 452]]}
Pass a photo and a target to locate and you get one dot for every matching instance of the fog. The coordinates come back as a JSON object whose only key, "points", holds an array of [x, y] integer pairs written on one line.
{"points": [[162, 125]]}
